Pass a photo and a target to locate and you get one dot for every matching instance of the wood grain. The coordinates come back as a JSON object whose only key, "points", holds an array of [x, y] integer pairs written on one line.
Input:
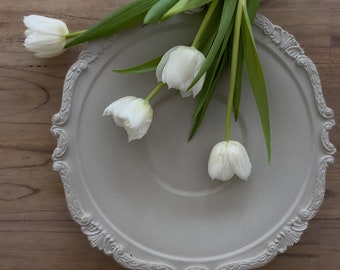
{"points": [[36, 231]]}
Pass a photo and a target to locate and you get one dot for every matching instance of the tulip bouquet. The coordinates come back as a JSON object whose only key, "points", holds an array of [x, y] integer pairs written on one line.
{"points": [[223, 43]]}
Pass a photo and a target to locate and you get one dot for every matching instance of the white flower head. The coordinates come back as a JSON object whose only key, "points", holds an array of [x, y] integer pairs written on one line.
{"points": [[178, 68], [228, 158], [46, 37], [133, 114]]}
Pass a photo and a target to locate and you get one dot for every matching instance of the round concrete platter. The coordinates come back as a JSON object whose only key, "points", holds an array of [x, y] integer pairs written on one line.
{"points": [[150, 203]]}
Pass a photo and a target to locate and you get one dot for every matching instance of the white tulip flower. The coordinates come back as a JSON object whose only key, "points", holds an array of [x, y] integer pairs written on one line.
{"points": [[46, 37], [178, 68], [228, 158], [133, 114]]}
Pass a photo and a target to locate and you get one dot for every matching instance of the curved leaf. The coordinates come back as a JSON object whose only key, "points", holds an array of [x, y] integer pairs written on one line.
{"points": [[145, 67], [158, 10], [224, 31], [120, 19], [256, 78], [183, 6]]}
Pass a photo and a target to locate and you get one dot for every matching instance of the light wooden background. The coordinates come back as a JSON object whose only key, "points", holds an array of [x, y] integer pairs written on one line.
{"points": [[36, 231]]}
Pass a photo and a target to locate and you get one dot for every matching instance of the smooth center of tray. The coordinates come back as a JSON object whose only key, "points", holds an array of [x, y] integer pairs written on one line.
{"points": [[180, 165]]}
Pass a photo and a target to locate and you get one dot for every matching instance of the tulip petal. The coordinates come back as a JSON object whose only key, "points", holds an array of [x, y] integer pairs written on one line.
{"points": [[218, 165], [226, 159], [178, 68], [48, 54], [161, 64], [117, 105], [198, 86], [178, 72], [44, 43], [133, 114], [46, 25], [239, 159], [46, 37]]}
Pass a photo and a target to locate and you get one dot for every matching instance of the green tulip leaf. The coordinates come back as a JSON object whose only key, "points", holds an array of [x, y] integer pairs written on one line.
{"points": [[145, 67], [158, 10], [212, 78], [120, 19], [208, 30], [256, 78], [183, 6], [252, 7], [224, 30], [238, 81]]}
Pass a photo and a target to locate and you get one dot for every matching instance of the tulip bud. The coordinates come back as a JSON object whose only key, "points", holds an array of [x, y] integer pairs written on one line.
{"points": [[228, 158], [133, 114], [179, 67], [46, 37]]}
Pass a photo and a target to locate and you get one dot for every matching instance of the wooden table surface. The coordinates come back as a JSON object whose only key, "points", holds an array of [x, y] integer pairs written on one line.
{"points": [[36, 230]]}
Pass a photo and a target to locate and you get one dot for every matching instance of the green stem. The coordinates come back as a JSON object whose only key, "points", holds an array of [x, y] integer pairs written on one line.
{"points": [[233, 71], [74, 34], [204, 24], [155, 91]]}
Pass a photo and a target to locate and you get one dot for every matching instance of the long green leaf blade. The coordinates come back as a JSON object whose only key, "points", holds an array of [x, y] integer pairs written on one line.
{"points": [[202, 107], [213, 75], [252, 7], [120, 19], [256, 78], [238, 81], [207, 32], [224, 30], [212, 78], [158, 10], [145, 67], [183, 6]]}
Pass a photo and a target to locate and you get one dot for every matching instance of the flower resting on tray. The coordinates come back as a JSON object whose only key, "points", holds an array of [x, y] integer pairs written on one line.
{"points": [[224, 43], [178, 69], [133, 114], [227, 159]]}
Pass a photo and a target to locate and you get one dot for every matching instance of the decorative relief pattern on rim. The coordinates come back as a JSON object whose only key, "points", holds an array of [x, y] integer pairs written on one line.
{"points": [[197, 268], [292, 232], [288, 44], [97, 235], [289, 234]]}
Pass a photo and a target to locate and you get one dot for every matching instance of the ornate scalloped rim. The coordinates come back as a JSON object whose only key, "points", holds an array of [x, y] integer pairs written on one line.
{"points": [[290, 233]]}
